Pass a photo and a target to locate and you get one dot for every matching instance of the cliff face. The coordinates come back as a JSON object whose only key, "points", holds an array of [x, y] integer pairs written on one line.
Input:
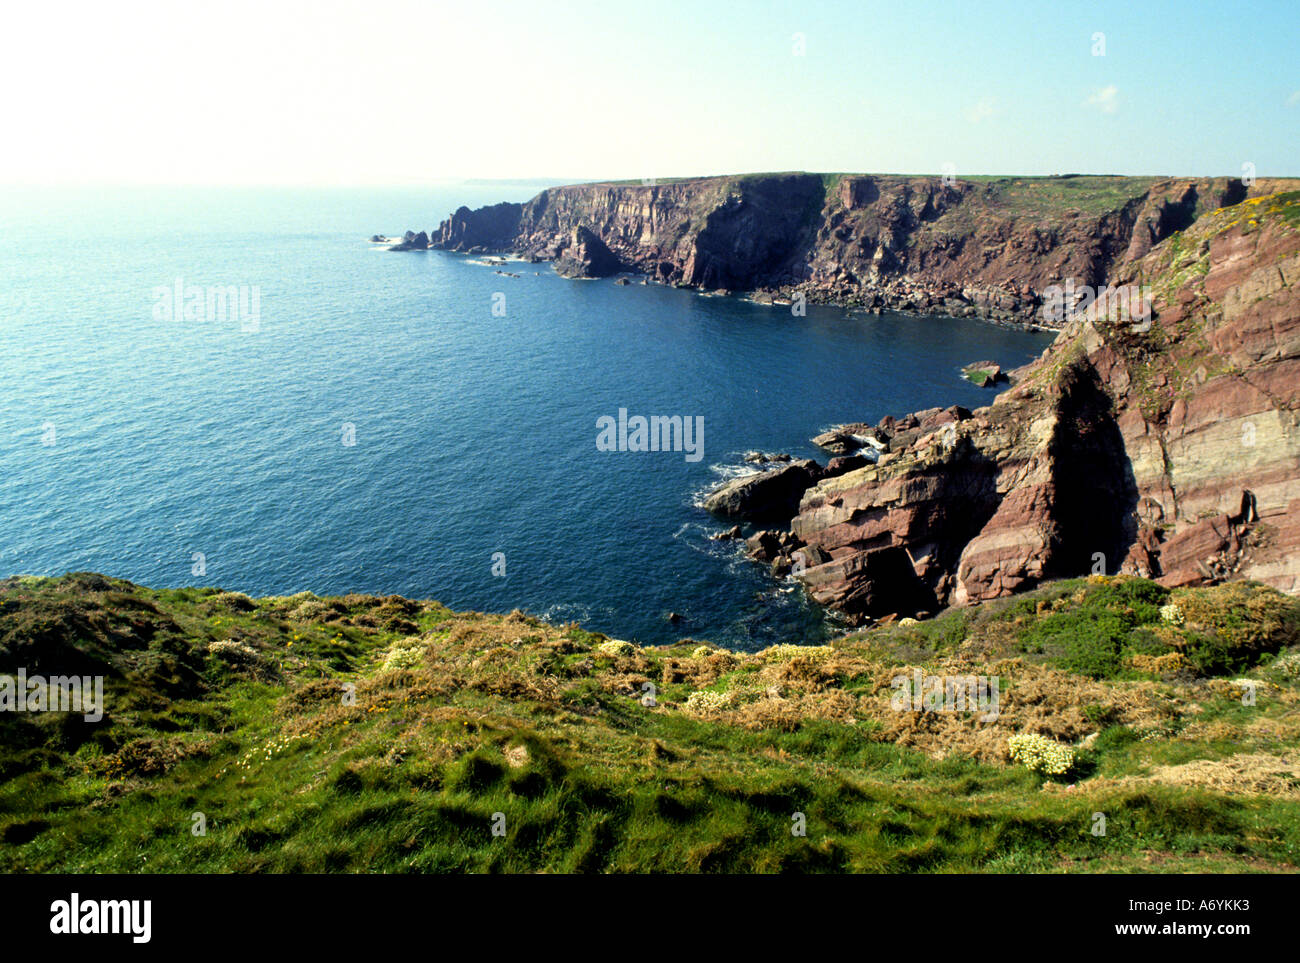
{"points": [[1169, 450], [986, 248], [1165, 447]]}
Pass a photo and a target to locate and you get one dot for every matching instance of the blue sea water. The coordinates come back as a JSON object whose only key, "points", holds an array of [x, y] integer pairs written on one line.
{"points": [[137, 445]]}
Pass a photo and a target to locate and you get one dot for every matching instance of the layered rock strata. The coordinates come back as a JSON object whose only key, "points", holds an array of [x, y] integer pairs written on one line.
{"points": [[1165, 446], [986, 248]]}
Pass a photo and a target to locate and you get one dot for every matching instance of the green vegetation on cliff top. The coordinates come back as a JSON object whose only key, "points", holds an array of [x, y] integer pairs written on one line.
{"points": [[236, 708], [1087, 193]]}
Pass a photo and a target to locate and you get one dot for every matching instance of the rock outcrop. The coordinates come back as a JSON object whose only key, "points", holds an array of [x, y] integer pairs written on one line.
{"points": [[488, 228], [765, 496], [986, 374], [988, 248], [1167, 446], [412, 241], [586, 256]]}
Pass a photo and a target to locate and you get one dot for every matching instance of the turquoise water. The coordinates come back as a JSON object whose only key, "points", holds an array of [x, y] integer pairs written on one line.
{"points": [[141, 445]]}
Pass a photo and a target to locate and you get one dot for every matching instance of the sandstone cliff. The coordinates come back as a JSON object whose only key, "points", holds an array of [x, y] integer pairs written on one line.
{"points": [[987, 247], [1169, 449], [1166, 448]]}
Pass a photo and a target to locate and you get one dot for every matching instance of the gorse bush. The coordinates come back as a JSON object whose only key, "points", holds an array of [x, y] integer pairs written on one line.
{"points": [[1090, 642], [1114, 625], [1136, 599], [941, 634], [1229, 627]]}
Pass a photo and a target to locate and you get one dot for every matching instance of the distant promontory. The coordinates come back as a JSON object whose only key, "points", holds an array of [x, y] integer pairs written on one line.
{"points": [[988, 247]]}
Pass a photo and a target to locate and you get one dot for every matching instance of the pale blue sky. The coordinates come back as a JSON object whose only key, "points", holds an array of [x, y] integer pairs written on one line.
{"points": [[409, 92]]}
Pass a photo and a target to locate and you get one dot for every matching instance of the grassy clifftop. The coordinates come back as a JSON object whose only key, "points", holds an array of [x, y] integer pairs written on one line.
{"points": [[1087, 193], [361, 733]]}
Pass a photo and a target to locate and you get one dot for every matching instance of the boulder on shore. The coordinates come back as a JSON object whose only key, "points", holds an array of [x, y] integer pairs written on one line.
{"points": [[766, 545], [984, 373], [841, 464], [849, 439], [769, 496]]}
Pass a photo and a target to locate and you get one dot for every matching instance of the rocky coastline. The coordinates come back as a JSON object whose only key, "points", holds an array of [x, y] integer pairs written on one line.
{"points": [[1168, 449], [1165, 446], [989, 248]]}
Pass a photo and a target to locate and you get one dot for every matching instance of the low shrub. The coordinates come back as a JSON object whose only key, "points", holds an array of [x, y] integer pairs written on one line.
{"points": [[1228, 628]]}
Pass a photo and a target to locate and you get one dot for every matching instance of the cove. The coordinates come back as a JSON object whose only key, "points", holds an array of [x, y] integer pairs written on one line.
{"points": [[473, 432]]}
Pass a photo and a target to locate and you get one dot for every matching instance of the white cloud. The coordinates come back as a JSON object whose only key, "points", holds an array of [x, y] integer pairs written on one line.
{"points": [[1293, 99], [1105, 99]]}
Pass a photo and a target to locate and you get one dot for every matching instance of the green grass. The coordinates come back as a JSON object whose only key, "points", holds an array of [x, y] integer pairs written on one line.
{"points": [[511, 715], [1045, 195]]}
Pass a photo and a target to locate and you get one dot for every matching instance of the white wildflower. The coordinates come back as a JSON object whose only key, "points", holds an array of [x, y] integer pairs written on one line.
{"points": [[1041, 754]]}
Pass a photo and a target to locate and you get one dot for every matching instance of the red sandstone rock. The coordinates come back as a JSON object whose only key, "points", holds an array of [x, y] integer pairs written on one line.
{"points": [[1172, 453], [989, 249]]}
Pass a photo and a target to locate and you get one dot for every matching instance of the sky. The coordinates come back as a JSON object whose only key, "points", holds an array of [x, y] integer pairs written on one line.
{"points": [[402, 92]]}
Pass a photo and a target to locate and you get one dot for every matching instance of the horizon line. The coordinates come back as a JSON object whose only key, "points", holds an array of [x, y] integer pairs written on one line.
{"points": [[544, 182]]}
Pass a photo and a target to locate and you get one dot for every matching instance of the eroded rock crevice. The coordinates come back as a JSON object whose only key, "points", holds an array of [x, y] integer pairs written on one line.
{"points": [[1095, 494]]}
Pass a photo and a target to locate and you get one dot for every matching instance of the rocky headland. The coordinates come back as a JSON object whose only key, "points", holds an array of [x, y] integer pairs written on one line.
{"points": [[984, 247], [1165, 447]]}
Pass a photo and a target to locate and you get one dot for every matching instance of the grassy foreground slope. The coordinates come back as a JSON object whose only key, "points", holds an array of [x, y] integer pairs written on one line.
{"points": [[362, 733]]}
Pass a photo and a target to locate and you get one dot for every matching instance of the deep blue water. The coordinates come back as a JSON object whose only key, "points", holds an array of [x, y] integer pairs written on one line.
{"points": [[474, 433]]}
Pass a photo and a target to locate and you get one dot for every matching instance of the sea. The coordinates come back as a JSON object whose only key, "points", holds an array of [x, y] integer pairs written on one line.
{"points": [[235, 387]]}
